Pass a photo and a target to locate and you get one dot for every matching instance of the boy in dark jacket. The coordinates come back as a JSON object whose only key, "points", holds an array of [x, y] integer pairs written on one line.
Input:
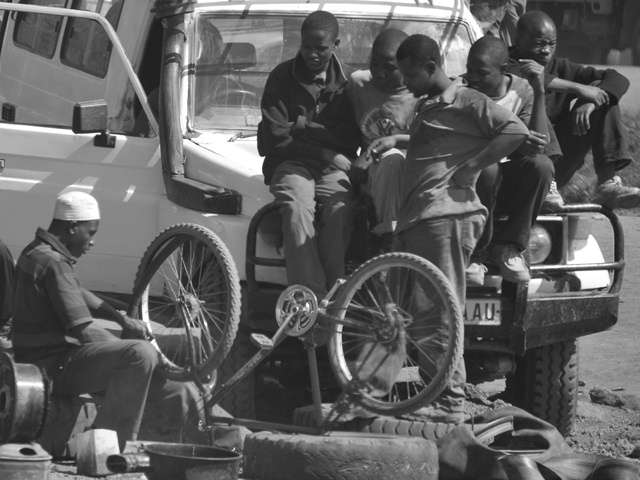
{"points": [[592, 123], [308, 137]]}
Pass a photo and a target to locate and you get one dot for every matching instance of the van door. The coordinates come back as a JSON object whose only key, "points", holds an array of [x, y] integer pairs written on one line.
{"points": [[48, 63]]}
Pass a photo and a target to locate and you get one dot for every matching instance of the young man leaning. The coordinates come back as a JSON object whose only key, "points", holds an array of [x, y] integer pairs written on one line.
{"points": [[455, 134]]}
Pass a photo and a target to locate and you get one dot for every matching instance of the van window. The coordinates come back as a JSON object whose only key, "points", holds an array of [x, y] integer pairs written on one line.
{"points": [[233, 56], [38, 33], [85, 44]]}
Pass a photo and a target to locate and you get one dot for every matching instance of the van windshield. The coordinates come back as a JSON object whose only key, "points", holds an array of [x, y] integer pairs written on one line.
{"points": [[234, 55]]}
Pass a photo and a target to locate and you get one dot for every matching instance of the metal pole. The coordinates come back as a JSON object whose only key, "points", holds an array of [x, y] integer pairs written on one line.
{"points": [[315, 383]]}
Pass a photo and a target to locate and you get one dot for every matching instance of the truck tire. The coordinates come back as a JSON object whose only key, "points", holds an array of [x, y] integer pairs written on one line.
{"points": [[546, 384], [339, 456], [240, 401]]}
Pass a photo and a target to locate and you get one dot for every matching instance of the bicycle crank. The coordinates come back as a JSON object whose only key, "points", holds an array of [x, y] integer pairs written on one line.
{"points": [[298, 307]]}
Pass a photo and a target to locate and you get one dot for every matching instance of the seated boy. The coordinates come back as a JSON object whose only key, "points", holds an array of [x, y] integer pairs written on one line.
{"points": [[454, 136], [527, 174], [383, 106], [308, 136], [585, 116]]}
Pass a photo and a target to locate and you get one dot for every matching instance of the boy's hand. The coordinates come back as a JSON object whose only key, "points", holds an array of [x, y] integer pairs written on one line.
{"points": [[591, 93], [363, 162], [534, 143], [533, 72], [341, 162], [379, 146], [581, 118]]}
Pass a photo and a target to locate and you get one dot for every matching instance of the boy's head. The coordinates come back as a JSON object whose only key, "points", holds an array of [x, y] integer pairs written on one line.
{"points": [[486, 64], [488, 12], [420, 63], [319, 34], [384, 66], [536, 37]]}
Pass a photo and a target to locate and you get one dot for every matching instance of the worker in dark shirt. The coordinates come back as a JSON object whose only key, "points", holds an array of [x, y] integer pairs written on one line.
{"points": [[54, 328], [308, 137], [593, 122]]}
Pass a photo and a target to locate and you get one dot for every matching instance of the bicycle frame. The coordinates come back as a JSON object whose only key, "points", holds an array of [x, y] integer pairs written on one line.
{"points": [[267, 345]]}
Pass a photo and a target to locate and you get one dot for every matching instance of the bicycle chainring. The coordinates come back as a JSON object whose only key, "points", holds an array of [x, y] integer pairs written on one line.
{"points": [[298, 306]]}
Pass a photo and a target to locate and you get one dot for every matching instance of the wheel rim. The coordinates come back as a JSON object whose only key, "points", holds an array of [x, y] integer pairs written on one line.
{"points": [[185, 301], [428, 324]]}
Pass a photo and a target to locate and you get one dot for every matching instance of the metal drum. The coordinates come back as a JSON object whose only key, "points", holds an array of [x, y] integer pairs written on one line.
{"points": [[23, 400]]}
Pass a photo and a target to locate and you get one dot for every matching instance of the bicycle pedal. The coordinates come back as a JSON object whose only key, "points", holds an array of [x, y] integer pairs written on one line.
{"points": [[261, 341]]}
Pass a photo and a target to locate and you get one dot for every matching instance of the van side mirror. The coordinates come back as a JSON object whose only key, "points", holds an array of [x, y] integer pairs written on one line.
{"points": [[92, 117]]}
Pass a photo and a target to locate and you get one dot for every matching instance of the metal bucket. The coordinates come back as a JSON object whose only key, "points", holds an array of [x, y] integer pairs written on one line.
{"points": [[24, 461], [177, 461]]}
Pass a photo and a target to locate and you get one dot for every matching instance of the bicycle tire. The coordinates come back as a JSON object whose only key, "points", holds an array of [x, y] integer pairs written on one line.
{"points": [[199, 273], [428, 276]]}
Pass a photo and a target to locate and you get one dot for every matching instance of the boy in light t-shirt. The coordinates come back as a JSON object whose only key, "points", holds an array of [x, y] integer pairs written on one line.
{"points": [[383, 106]]}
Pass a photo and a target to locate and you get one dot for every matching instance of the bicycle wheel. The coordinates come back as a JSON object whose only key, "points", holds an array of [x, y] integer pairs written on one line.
{"points": [[188, 292], [406, 287]]}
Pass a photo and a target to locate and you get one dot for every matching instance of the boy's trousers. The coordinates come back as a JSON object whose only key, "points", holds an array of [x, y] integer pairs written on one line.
{"points": [[315, 207], [447, 242]]}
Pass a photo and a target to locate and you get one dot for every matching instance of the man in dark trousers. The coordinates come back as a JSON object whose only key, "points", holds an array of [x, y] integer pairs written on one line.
{"points": [[308, 137], [593, 122], [54, 328]]}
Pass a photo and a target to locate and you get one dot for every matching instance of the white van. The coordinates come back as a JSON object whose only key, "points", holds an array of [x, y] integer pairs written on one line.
{"points": [[222, 54]]}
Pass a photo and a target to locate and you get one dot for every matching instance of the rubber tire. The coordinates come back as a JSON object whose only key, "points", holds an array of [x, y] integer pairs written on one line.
{"points": [[223, 258], [340, 456], [442, 378], [546, 384], [240, 401], [305, 417]]}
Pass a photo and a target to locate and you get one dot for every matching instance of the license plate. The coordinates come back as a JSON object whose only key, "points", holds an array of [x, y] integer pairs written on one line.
{"points": [[482, 312]]}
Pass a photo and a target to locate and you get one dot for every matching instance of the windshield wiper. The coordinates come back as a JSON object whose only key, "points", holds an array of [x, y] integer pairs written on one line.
{"points": [[238, 135]]}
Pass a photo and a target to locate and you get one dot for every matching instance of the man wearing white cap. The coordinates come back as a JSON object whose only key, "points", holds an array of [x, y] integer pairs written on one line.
{"points": [[54, 327]]}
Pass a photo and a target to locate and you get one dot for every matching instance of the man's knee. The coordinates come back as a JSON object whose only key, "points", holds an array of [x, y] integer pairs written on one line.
{"points": [[139, 353]]}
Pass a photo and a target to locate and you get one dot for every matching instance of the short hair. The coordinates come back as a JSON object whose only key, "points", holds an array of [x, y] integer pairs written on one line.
{"points": [[492, 46], [420, 49], [321, 20], [390, 38], [532, 20]]}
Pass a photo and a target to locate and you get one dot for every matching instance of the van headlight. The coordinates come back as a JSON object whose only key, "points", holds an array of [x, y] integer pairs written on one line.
{"points": [[539, 244]]}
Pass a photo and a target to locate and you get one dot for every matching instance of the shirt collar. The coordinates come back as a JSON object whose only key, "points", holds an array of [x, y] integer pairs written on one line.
{"points": [[51, 240], [320, 78], [447, 97], [333, 75]]}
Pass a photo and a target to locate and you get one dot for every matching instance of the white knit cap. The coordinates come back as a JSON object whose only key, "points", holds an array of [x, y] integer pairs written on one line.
{"points": [[76, 207]]}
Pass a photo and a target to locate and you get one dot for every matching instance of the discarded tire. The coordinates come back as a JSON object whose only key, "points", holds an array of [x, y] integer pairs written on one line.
{"points": [[339, 456], [305, 417]]}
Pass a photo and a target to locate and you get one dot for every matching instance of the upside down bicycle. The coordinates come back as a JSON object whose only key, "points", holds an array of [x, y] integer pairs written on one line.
{"points": [[393, 328]]}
